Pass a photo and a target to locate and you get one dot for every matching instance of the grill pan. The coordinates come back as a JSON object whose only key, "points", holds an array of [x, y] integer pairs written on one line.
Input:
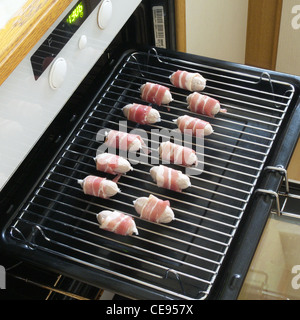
{"points": [[56, 226]]}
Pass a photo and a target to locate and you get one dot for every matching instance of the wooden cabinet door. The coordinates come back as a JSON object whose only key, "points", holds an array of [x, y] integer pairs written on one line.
{"points": [[263, 27]]}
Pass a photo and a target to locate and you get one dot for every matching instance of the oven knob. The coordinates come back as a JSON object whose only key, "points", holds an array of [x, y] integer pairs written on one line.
{"points": [[82, 42], [104, 14], [57, 73]]}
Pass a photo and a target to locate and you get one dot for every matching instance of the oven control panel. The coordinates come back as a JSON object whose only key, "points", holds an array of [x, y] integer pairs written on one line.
{"points": [[60, 36], [43, 82]]}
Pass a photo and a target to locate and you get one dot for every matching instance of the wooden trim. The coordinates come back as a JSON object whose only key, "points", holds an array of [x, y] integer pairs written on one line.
{"points": [[294, 168], [23, 31], [263, 33], [180, 25]]}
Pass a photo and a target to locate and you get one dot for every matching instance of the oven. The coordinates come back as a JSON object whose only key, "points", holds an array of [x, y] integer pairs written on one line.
{"points": [[56, 108]]}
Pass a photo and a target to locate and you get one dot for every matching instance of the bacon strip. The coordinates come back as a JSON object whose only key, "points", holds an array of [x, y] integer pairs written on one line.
{"points": [[99, 187], [155, 93], [196, 126], [138, 113], [188, 80], [111, 163], [204, 104], [125, 141], [170, 178], [108, 163], [154, 209], [177, 154], [117, 222]]}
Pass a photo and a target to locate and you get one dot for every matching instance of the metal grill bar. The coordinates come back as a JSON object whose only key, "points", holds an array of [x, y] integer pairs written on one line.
{"points": [[208, 163], [129, 186], [165, 226], [183, 258], [208, 148], [165, 81]]}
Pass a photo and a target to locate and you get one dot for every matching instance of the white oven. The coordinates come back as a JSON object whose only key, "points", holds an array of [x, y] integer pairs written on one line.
{"points": [[41, 84]]}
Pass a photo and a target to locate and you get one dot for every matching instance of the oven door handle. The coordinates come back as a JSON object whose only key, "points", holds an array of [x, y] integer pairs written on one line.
{"points": [[279, 210]]}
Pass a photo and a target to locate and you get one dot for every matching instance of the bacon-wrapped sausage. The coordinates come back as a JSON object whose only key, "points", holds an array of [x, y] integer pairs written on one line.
{"points": [[188, 80], [99, 187], [125, 141], [117, 222], [155, 93], [112, 163], [154, 209], [197, 127], [169, 178], [203, 104], [177, 154], [141, 114]]}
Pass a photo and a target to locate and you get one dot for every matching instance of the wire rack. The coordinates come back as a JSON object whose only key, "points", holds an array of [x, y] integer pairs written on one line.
{"points": [[182, 259]]}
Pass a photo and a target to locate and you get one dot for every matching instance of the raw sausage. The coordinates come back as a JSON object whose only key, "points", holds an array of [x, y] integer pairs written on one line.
{"points": [[177, 154], [169, 178], [140, 113], [117, 222], [188, 80], [197, 127], [154, 209], [204, 104], [99, 187], [125, 141], [112, 163], [155, 93]]}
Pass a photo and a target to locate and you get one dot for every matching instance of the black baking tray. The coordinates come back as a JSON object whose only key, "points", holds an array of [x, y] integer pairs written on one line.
{"points": [[23, 183]]}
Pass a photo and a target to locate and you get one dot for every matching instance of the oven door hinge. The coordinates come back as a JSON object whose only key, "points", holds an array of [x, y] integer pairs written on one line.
{"points": [[281, 197]]}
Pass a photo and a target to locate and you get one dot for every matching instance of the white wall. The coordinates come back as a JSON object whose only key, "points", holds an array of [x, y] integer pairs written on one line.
{"points": [[217, 28], [288, 56]]}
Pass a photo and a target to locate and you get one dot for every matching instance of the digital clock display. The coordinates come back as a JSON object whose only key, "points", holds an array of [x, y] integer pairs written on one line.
{"points": [[77, 13]]}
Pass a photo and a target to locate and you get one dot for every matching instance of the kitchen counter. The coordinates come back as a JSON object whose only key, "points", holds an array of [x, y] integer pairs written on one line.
{"points": [[22, 31]]}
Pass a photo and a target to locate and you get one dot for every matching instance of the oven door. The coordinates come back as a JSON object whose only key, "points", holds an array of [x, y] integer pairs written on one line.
{"points": [[274, 271]]}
